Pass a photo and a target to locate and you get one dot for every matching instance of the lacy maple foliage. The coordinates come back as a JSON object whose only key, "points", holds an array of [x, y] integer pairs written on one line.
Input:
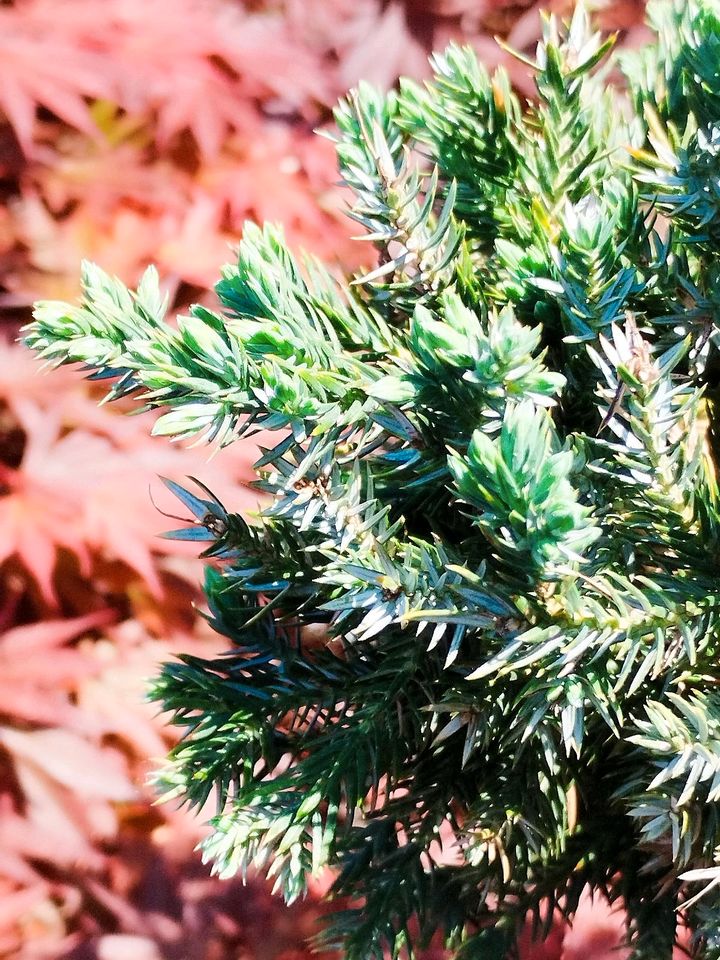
{"points": [[89, 603]]}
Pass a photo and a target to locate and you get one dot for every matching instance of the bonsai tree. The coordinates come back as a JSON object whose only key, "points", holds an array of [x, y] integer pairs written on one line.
{"points": [[474, 629]]}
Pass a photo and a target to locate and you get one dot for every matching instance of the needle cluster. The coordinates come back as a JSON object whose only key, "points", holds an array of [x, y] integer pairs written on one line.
{"points": [[474, 629]]}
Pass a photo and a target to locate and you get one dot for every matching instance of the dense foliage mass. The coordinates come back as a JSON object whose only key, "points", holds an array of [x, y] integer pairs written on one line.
{"points": [[474, 633]]}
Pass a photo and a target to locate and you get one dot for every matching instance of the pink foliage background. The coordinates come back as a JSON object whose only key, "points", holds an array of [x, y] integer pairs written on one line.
{"points": [[137, 131]]}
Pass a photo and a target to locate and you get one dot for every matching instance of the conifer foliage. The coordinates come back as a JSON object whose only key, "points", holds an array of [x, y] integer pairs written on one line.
{"points": [[480, 609]]}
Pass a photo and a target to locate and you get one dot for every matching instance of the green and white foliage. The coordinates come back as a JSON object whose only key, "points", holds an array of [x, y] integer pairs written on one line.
{"points": [[480, 602]]}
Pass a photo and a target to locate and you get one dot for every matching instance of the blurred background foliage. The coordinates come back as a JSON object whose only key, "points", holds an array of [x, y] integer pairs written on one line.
{"points": [[137, 131]]}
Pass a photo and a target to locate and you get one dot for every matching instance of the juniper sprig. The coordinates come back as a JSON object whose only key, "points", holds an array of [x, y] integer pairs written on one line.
{"points": [[482, 595]]}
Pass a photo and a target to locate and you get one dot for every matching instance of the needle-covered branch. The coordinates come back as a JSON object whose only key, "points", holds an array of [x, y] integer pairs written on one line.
{"points": [[474, 628]]}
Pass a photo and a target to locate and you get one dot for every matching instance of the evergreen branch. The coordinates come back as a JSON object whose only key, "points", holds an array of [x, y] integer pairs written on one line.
{"points": [[520, 481], [479, 610], [466, 118], [395, 203]]}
